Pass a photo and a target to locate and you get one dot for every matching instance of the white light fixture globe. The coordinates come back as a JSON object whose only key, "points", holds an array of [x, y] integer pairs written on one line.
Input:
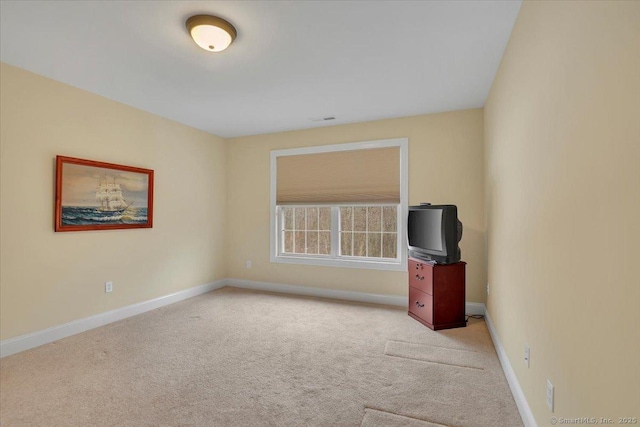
{"points": [[210, 32]]}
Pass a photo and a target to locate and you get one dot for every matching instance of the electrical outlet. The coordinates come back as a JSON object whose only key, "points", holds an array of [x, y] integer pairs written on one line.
{"points": [[108, 287], [550, 394], [487, 289], [248, 264], [527, 355]]}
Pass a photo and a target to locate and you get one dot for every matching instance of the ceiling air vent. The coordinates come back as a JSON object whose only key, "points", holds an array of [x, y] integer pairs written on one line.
{"points": [[322, 119]]}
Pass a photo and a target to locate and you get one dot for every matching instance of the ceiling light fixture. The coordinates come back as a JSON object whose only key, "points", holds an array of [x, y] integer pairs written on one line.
{"points": [[210, 32]]}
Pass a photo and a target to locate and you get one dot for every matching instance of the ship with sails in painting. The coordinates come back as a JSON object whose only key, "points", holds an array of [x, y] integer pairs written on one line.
{"points": [[110, 198]]}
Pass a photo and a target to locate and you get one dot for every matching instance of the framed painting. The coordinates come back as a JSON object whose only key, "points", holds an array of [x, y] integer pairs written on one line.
{"points": [[94, 195]]}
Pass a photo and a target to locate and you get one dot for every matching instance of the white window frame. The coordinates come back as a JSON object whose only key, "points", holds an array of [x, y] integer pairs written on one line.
{"points": [[399, 264]]}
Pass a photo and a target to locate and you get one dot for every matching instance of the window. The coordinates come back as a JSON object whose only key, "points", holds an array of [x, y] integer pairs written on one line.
{"points": [[364, 231], [306, 230], [369, 231], [340, 205]]}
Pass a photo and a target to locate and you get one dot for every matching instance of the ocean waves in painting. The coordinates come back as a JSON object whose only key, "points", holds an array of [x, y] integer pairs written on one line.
{"points": [[74, 215]]}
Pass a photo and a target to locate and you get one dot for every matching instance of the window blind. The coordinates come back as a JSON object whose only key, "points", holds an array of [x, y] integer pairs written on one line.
{"points": [[358, 176]]}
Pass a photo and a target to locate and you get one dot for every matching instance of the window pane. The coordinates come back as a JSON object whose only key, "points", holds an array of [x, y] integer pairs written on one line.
{"points": [[325, 219], [360, 218], [312, 218], [346, 218], [359, 244], [288, 218], [374, 214], [324, 243], [365, 231], [389, 218], [374, 245], [299, 242], [345, 244], [389, 245], [300, 218], [288, 242], [312, 242]]}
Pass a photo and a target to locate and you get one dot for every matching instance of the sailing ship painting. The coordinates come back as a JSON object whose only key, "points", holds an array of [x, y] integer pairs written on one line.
{"points": [[94, 195]]}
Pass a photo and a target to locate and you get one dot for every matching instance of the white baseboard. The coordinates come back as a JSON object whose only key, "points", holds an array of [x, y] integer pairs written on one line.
{"points": [[397, 300], [514, 385], [45, 336], [475, 308]]}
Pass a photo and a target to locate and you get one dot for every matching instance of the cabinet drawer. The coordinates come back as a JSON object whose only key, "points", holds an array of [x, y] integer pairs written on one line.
{"points": [[421, 304], [421, 276]]}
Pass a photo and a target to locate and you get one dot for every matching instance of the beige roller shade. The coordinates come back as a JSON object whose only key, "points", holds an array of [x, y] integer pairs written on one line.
{"points": [[358, 176]]}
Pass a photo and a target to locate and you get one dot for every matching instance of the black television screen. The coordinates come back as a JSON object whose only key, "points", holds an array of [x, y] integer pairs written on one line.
{"points": [[426, 220], [433, 233]]}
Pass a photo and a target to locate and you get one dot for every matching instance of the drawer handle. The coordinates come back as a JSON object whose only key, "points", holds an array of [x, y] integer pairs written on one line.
{"points": [[419, 277], [419, 305]]}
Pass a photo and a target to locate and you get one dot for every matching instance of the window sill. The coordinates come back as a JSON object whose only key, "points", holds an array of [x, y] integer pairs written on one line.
{"points": [[347, 263]]}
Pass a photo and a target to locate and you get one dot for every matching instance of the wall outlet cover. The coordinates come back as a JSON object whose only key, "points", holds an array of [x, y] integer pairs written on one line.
{"points": [[550, 395]]}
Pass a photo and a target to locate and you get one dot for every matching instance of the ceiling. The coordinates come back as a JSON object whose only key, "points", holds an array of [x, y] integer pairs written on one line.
{"points": [[293, 61]]}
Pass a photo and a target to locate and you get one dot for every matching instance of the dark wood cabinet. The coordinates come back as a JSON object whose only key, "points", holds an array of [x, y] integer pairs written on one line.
{"points": [[437, 294]]}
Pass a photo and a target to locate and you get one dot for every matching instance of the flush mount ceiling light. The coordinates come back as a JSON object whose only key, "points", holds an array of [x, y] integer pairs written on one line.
{"points": [[210, 32]]}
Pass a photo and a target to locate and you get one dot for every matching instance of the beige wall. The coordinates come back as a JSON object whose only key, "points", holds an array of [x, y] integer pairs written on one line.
{"points": [[562, 134], [445, 166], [49, 278]]}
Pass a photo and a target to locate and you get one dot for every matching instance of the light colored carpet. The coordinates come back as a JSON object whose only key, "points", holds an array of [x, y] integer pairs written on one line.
{"points": [[243, 358]]}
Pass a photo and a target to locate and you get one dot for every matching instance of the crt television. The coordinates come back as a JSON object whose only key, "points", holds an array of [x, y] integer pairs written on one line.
{"points": [[433, 233]]}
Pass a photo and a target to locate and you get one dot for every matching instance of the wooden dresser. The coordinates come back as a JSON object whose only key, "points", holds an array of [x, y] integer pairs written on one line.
{"points": [[437, 294]]}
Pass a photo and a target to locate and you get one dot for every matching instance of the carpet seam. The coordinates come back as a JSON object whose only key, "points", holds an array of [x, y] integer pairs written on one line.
{"points": [[435, 346], [436, 363], [400, 415]]}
